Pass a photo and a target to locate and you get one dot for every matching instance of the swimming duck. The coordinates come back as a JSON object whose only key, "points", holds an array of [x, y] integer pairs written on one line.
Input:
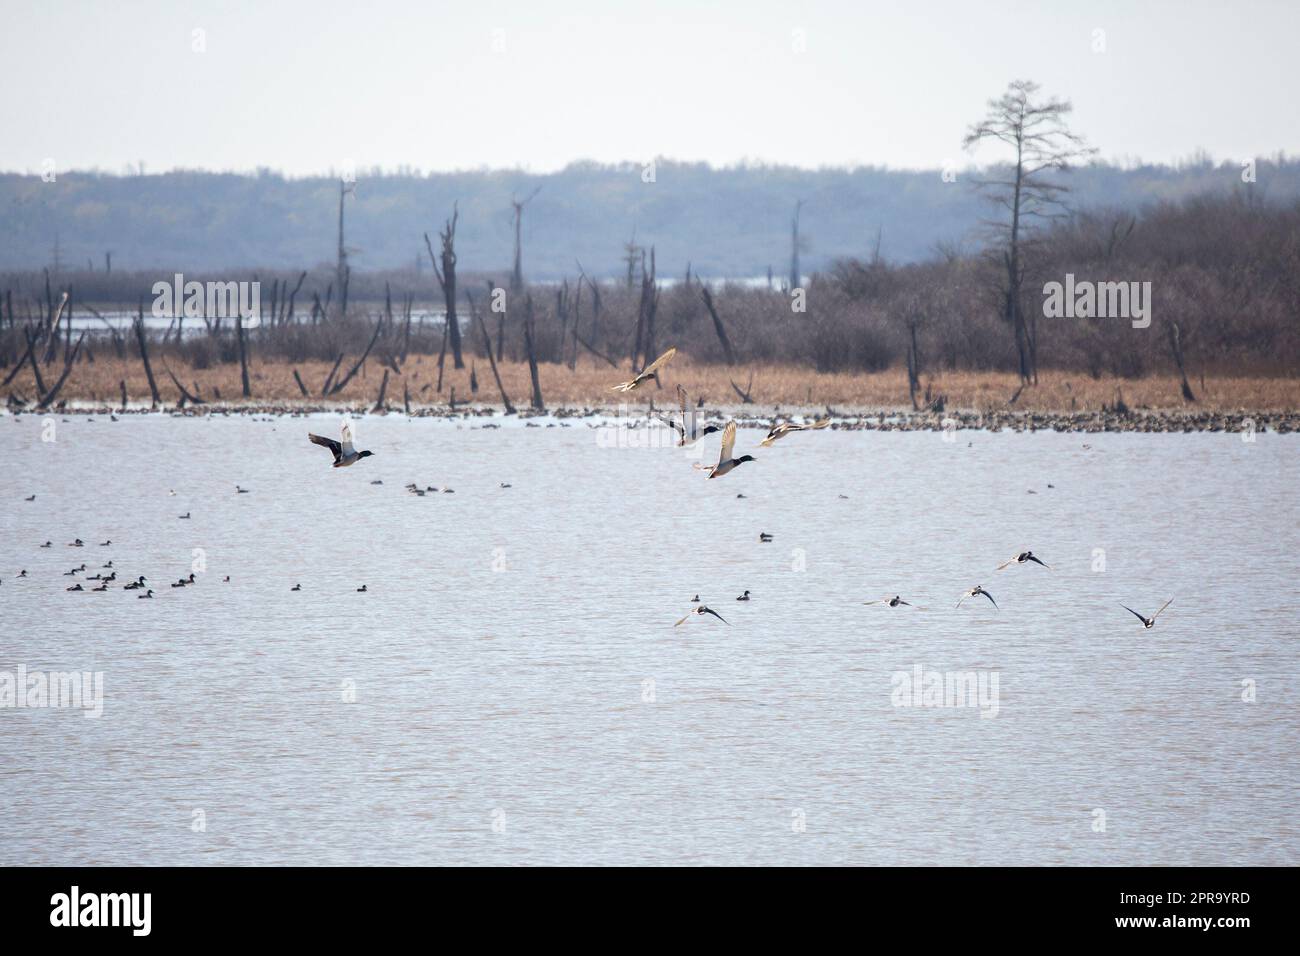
{"points": [[75, 587], [296, 587], [700, 609], [1021, 558], [785, 428], [68, 574], [31, 498], [1147, 622], [743, 597], [764, 536], [22, 573], [102, 587], [105, 544], [184, 516], [688, 429], [135, 585], [76, 543], [48, 544], [976, 591], [725, 462], [147, 594], [362, 589], [894, 601], [696, 599], [108, 565], [646, 374], [240, 491], [182, 582], [344, 453]]}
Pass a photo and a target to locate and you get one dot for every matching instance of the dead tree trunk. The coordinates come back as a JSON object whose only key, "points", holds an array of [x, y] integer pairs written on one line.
{"points": [[487, 347], [243, 356], [144, 357], [1176, 345], [301, 387], [361, 361], [532, 355], [383, 390], [447, 279], [718, 327]]}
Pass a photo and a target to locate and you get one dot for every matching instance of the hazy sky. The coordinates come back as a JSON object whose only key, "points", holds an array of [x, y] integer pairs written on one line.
{"points": [[309, 86]]}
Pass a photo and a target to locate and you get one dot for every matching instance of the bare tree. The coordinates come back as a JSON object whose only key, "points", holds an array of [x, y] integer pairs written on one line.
{"points": [[517, 276], [794, 247], [342, 269], [447, 279], [1027, 191]]}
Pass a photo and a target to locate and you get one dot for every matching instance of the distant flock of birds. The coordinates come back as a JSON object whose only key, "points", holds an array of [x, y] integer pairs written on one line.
{"points": [[689, 430]]}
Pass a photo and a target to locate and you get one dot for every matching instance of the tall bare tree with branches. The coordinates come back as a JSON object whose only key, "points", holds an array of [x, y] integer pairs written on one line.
{"points": [[1036, 130], [447, 279], [517, 276]]}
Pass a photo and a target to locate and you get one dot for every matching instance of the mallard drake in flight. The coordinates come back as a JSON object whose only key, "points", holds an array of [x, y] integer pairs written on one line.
{"points": [[700, 609], [646, 373], [725, 462], [976, 591], [1147, 622], [785, 428], [344, 453], [688, 429], [1021, 558]]}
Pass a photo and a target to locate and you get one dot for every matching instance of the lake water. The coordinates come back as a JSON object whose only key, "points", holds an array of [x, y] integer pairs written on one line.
{"points": [[511, 688]]}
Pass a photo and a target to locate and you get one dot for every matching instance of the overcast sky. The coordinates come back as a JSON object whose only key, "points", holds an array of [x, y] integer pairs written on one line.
{"points": [[305, 87]]}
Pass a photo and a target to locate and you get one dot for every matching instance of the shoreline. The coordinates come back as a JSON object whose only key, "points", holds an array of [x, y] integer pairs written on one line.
{"points": [[1062, 401]]}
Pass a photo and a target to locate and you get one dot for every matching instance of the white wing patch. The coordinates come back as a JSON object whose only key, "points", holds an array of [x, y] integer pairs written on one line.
{"points": [[346, 436]]}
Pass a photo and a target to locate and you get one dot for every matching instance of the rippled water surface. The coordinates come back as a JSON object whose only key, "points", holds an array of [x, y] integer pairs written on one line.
{"points": [[521, 694]]}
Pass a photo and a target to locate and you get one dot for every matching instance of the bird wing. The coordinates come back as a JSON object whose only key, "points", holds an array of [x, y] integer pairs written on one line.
{"points": [[1165, 605], [658, 363], [990, 597], [1006, 564], [329, 443], [868, 603], [962, 598], [1036, 561], [1134, 613], [348, 450], [728, 442], [683, 620], [708, 610], [825, 422]]}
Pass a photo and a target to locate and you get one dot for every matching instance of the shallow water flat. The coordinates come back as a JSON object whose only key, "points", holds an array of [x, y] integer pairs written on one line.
{"points": [[510, 688]]}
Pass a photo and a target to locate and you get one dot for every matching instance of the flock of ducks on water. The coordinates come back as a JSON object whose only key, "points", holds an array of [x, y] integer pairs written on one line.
{"points": [[689, 430]]}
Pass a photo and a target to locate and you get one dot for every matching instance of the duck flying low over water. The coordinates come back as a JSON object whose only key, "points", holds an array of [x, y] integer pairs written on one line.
{"points": [[344, 453], [646, 373], [894, 601], [785, 428], [701, 609], [1022, 558], [688, 429], [976, 591], [1148, 622], [725, 462]]}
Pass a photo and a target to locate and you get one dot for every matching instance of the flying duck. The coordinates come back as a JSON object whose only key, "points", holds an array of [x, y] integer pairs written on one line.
{"points": [[976, 591], [344, 453], [646, 374], [688, 429], [894, 601], [725, 462], [785, 428], [1147, 622], [1021, 558], [700, 609]]}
